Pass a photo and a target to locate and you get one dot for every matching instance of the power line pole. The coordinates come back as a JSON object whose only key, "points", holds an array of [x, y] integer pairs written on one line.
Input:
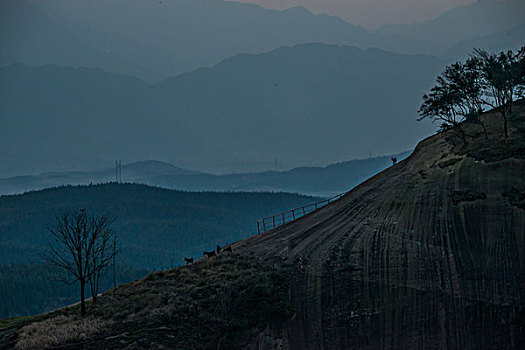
{"points": [[116, 171]]}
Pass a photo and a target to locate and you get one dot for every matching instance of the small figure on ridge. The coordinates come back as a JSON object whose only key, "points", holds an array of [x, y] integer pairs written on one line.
{"points": [[209, 254]]}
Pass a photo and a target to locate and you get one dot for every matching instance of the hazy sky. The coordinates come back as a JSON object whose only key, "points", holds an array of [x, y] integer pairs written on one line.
{"points": [[371, 13]]}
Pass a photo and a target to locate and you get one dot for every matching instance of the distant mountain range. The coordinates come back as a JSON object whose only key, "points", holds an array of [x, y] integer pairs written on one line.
{"points": [[31, 37], [456, 32], [156, 39], [305, 105], [137, 172], [509, 39], [262, 99], [318, 181]]}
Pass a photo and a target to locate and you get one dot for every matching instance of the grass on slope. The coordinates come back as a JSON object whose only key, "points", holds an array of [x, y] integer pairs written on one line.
{"points": [[28, 289], [217, 303]]}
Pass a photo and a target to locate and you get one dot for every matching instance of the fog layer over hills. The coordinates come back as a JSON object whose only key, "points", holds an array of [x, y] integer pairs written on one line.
{"points": [[371, 13], [154, 39], [263, 101], [306, 105], [319, 181], [466, 25]]}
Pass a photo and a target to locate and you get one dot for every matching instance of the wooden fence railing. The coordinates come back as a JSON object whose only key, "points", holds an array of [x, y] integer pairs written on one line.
{"points": [[277, 220]]}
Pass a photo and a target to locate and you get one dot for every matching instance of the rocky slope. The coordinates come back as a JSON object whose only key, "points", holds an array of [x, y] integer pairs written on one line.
{"points": [[427, 254]]}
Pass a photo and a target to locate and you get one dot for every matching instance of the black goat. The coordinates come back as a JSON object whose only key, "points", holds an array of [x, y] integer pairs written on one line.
{"points": [[209, 254]]}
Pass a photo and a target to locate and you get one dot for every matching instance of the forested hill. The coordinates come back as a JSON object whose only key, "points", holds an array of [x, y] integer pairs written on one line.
{"points": [[156, 228]]}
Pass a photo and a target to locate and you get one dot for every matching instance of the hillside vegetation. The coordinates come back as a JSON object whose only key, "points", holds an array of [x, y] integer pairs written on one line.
{"points": [[156, 229], [428, 253], [216, 303], [33, 288]]}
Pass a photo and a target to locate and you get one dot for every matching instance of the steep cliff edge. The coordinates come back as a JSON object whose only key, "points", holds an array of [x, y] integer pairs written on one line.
{"points": [[430, 253]]}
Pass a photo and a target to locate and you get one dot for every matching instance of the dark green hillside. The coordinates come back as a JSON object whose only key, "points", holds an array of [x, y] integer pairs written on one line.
{"points": [[156, 227]]}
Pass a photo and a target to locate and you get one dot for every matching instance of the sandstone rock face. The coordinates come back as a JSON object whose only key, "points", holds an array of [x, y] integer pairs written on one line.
{"points": [[428, 254]]}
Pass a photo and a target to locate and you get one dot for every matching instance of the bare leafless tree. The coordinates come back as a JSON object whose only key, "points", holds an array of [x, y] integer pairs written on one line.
{"points": [[103, 251], [80, 248]]}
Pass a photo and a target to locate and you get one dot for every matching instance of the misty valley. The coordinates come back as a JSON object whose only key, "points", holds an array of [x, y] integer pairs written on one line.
{"points": [[260, 174]]}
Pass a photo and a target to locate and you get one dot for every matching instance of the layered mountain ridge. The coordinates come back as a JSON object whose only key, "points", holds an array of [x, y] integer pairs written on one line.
{"points": [[237, 116], [174, 36], [327, 181], [180, 35]]}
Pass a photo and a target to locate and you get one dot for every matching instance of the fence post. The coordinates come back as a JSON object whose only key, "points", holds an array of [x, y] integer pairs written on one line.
{"points": [[283, 216]]}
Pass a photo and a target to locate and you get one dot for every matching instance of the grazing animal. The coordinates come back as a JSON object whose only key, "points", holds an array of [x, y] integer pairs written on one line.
{"points": [[218, 249], [209, 254], [394, 160], [227, 249], [188, 261]]}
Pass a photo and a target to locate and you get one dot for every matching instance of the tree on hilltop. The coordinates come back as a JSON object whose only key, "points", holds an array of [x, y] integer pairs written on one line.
{"points": [[463, 90], [503, 78], [455, 97]]}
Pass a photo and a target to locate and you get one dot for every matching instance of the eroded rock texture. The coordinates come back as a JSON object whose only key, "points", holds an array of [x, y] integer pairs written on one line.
{"points": [[429, 253]]}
